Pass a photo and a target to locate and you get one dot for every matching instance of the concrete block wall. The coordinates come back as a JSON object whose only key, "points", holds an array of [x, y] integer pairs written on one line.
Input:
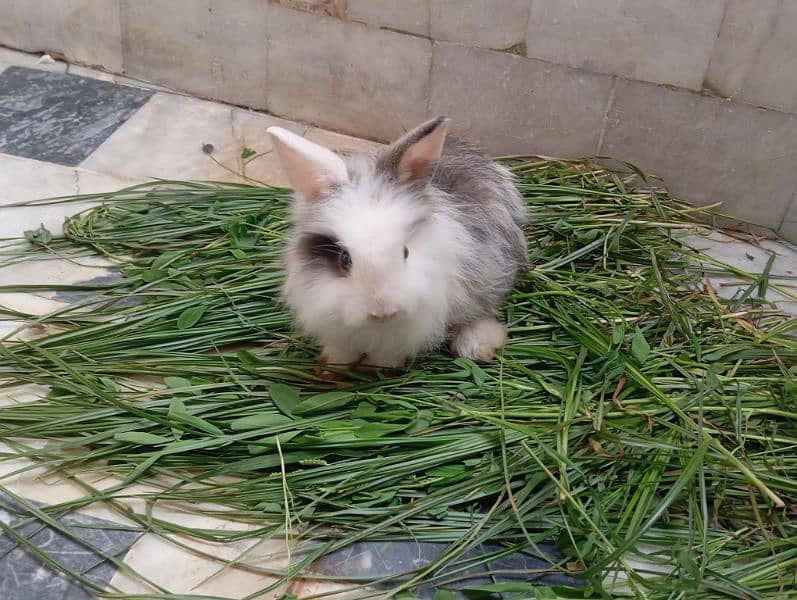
{"points": [[700, 92]]}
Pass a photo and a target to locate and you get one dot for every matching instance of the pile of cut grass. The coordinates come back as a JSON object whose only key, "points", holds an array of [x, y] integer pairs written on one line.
{"points": [[637, 420]]}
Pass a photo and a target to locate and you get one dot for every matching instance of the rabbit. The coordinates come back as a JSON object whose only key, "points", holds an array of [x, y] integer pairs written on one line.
{"points": [[391, 254]]}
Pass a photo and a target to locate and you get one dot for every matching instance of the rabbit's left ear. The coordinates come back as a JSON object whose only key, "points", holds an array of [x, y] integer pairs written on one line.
{"points": [[415, 154], [312, 169]]}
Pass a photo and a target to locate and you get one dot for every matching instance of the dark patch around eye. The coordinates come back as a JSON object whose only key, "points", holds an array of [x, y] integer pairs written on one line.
{"points": [[322, 251], [316, 245], [406, 253]]}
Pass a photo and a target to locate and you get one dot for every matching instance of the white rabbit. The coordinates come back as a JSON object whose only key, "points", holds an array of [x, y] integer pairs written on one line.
{"points": [[390, 255]]}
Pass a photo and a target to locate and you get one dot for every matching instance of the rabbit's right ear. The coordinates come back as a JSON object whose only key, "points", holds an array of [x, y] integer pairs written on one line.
{"points": [[312, 169]]}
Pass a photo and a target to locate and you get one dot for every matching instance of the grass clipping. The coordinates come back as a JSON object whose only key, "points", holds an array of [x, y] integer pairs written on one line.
{"points": [[636, 420]]}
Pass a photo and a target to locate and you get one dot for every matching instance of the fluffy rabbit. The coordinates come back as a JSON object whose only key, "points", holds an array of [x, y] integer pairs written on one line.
{"points": [[390, 255]]}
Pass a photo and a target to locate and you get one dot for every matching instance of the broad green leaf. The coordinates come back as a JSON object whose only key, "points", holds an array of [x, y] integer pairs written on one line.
{"points": [[640, 348], [136, 207], [238, 253], [110, 384], [790, 384], [151, 275], [41, 236], [270, 507], [176, 382], [420, 423], [323, 402], [268, 444], [164, 259], [195, 444], [242, 235], [178, 411], [463, 362], [190, 316], [260, 421], [284, 398], [478, 374], [612, 367], [375, 498], [588, 235], [447, 471], [376, 430], [248, 358], [364, 409], [712, 375], [141, 437], [618, 332], [338, 436]]}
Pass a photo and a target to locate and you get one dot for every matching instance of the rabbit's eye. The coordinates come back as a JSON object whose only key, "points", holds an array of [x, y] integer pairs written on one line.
{"points": [[345, 260], [406, 253]]}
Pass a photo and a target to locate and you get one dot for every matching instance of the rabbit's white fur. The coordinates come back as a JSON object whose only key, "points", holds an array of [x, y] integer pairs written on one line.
{"points": [[374, 223], [375, 215]]}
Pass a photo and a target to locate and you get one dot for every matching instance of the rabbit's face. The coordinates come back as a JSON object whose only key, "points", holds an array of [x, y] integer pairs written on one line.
{"points": [[371, 253], [366, 254]]}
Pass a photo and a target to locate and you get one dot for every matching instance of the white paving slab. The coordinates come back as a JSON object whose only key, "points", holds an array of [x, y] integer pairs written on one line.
{"points": [[752, 258], [178, 137], [9, 57]]}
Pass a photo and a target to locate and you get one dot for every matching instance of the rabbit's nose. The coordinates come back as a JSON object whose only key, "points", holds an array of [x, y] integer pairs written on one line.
{"points": [[382, 314]]}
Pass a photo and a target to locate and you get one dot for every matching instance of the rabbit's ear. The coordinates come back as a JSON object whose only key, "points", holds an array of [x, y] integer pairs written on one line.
{"points": [[414, 155], [312, 169]]}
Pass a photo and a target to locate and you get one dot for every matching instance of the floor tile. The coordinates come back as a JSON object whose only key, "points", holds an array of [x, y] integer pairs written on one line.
{"points": [[32, 482], [751, 258], [55, 271], [249, 131], [191, 573], [27, 303], [60, 118], [147, 85], [341, 142], [90, 73], [309, 588], [24, 577], [90, 182], [377, 560], [747, 256], [166, 139], [267, 168], [24, 393], [10, 58], [23, 179], [249, 128]]}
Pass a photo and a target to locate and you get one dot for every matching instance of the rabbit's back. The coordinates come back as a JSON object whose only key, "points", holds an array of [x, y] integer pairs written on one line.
{"points": [[484, 198]]}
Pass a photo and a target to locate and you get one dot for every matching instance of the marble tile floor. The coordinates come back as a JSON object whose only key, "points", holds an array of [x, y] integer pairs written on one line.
{"points": [[66, 129]]}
